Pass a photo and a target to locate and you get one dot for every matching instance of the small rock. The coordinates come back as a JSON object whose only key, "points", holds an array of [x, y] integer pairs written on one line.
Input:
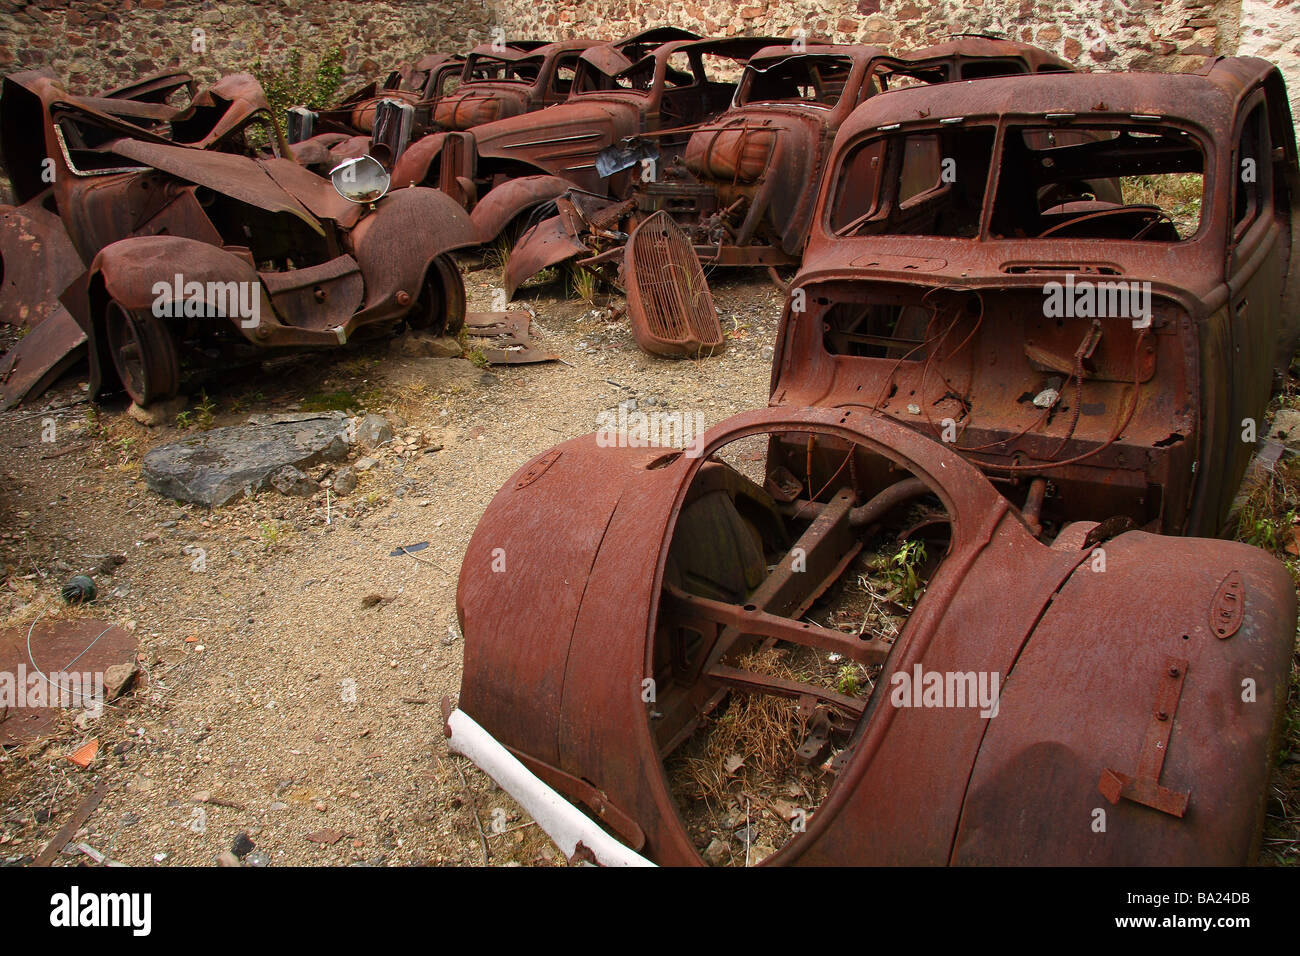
{"points": [[716, 853], [1286, 427], [228, 859], [258, 858], [365, 464], [373, 431], [117, 679], [345, 481], [242, 846], [293, 483], [158, 413]]}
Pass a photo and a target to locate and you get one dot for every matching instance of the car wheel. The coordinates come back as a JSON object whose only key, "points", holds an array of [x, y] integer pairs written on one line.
{"points": [[143, 354], [440, 309]]}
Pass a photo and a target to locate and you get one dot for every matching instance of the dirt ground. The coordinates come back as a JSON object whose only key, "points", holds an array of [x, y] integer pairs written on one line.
{"points": [[289, 693], [292, 687]]}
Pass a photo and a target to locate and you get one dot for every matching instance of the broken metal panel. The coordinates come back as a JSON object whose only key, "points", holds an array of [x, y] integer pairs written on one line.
{"points": [[546, 244], [668, 300], [37, 262], [38, 359], [508, 331], [81, 651], [508, 201]]}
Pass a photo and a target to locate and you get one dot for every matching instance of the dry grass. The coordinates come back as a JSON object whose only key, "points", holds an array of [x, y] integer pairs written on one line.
{"points": [[1268, 516], [1178, 194]]}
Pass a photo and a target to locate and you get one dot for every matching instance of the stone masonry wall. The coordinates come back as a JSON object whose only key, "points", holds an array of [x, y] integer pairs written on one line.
{"points": [[1094, 34], [97, 44]]}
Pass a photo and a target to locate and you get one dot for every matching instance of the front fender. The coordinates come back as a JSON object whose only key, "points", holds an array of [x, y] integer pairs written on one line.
{"points": [[412, 167], [126, 272], [502, 205], [395, 245]]}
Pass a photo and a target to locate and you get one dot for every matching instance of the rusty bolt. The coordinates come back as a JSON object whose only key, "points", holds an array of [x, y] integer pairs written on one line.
{"points": [[403, 297], [1161, 715], [1173, 672]]}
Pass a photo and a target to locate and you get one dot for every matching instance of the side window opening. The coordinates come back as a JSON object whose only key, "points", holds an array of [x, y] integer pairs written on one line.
{"points": [[1252, 170]]}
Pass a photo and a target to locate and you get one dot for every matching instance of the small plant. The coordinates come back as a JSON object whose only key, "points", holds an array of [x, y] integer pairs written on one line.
{"points": [[498, 253], [124, 446], [184, 419], [293, 84], [846, 681], [95, 427], [583, 284], [204, 411], [902, 571], [339, 401], [272, 533], [476, 356]]}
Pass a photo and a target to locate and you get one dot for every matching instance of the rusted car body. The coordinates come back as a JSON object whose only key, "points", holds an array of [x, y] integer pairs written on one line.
{"points": [[593, 655], [745, 185], [1142, 676], [116, 219], [945, 302], [503, 81], [321, 139], [660, 82], [421, 84]]}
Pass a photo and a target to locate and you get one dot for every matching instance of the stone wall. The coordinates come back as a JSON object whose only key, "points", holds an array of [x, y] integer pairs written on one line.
{"points": [[1095, 34], [96, 44]]}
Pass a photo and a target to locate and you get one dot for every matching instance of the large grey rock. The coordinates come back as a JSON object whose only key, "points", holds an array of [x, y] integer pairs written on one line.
{"points": [[218, 466]]}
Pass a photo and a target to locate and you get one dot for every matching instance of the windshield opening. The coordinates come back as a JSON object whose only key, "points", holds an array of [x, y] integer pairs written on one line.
{"points": [[816, 80]]}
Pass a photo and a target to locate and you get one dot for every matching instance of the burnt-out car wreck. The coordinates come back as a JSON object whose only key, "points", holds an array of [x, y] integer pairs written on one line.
{"points": [[1028, 467], [161, 254]]}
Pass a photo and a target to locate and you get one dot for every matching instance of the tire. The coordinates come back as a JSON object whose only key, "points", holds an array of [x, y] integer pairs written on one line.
{"points": [[440, 308], [143, 353]]}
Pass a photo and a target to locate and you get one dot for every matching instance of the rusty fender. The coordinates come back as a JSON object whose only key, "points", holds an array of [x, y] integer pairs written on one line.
{"points": [[508, 201], [1122, 689], [396, 244], [417, 160]]}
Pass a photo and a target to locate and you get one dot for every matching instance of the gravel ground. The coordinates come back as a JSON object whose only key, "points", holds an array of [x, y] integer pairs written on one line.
{"points": [[289, 692]]}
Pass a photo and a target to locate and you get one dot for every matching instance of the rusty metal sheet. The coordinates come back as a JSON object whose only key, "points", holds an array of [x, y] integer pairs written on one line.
{"points": [[37, 262], [546, 244], [668, 298], [40, 357], [509, 333], [502, 205], [84, 648], [235, 176]]}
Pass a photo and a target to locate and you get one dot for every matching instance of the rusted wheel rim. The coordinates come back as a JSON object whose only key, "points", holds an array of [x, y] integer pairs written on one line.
{"points": [[441, 305], [143, 355]]}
